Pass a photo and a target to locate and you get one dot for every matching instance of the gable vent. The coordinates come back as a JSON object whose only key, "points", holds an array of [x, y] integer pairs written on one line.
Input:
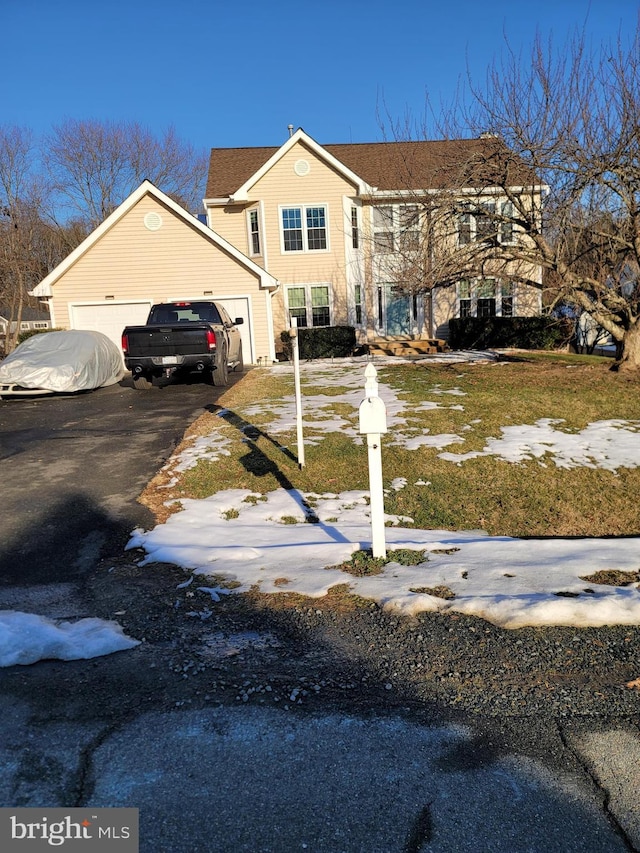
{"points": [[153, 221], [301, 168]]}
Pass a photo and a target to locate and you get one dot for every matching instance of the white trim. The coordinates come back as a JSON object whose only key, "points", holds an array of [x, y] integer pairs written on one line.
{"points": [[147, 188]]}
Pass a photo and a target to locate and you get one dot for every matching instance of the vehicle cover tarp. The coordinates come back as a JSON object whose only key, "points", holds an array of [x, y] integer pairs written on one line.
{"points": [[63, 362]]}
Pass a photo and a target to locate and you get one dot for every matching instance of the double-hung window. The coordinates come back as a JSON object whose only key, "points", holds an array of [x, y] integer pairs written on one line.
{"points": [[486, 223], [254, 233], [309, 304], [357, 296], [486, 305], [486, 297], [355, 230], [304, 228], [465, 295], [396, 228], [506, 223], [383, 227], [508, 292]]}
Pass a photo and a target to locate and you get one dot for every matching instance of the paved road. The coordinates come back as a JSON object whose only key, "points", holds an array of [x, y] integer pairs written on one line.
{"points": [[72, 467]]}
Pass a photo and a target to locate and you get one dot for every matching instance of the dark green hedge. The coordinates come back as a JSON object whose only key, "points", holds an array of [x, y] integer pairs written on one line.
{"points": [[29, 333], [322, 342], [518, 332]]}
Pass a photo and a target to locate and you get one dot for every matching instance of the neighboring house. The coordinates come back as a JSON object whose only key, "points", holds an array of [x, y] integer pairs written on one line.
{"points": [[152, 250], [327, 222], [33, 319]]}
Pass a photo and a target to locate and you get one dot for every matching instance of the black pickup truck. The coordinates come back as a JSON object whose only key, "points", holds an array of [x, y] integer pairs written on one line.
{"points": [[183, 337]]}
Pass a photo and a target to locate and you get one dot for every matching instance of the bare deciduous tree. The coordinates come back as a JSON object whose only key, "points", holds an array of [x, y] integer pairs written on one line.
{"points": [[570, 116], [95, 165], [23, 235]]}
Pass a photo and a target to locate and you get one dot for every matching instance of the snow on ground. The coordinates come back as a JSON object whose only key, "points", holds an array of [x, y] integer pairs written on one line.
{"points": [[268, 542], [26, 638]]}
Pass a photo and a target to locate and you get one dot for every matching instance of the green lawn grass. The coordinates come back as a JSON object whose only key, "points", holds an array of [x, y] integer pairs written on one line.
{"points": [[488, 493]]}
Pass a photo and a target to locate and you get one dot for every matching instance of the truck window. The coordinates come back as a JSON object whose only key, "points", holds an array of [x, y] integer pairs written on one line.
{"points": [[189, 312]]}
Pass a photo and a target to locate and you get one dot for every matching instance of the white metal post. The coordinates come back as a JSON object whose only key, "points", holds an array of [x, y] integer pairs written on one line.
{"points": [[293, 333]]}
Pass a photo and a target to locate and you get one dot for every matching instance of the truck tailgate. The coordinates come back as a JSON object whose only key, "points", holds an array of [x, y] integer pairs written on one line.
{"points": [[150, 341]]}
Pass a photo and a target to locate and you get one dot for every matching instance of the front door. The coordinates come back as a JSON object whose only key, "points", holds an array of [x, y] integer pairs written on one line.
{"points": [[398, 312]]}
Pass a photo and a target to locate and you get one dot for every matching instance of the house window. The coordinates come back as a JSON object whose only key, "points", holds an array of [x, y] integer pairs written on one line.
{"points": [[310, 238], [292, 229], [506, 223], [507, 298], [316, 228], [396, 228], [355, 231], [309, 303], [486, 299], [486, 229], [40, 324], [383, 229], [357, 292], [464, 229], [466, 303], [481, 224], [24, 326], [254, 233], [409, 227]]}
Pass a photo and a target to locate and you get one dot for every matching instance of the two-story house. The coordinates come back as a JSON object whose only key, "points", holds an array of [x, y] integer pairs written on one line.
{"points": [[370, 235], [357, 233]]}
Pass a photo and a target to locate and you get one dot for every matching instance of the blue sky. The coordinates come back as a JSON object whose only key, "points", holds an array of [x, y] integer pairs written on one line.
{"points": [[227, 73]]}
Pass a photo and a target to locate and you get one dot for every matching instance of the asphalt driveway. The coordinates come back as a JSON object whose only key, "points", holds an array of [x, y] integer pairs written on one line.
{"points": [[72, 467]]}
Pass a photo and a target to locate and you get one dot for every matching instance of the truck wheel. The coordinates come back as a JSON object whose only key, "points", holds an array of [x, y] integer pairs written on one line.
{"points": [[142, 382], [239, 365], [219, 375]]}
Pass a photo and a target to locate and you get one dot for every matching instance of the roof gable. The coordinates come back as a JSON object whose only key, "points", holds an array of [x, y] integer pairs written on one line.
{"points": [[380, 166], [233, 171], [147, 188]]}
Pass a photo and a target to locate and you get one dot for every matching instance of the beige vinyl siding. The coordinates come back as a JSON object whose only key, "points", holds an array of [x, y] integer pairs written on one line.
{"points": [[130, 262], [282, 187], [231, 223]]}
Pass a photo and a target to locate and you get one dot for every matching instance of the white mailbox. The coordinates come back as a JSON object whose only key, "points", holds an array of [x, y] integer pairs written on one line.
{"points": [[373, 416]]}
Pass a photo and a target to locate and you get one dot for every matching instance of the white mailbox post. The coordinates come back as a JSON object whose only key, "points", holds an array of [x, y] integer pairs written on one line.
{"points": [[373, 423], [293, 334]]}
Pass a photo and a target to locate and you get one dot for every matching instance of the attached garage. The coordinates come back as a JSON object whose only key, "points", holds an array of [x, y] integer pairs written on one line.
{"points": [[152, 250]]}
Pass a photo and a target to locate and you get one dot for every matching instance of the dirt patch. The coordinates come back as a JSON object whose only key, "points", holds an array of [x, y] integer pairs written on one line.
{"points": [[613, 577]]}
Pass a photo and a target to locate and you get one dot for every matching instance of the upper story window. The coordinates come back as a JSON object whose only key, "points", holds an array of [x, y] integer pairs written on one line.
{"points": [[486, 223], [396, 228], [304, 229], [355, 231], [254, 233]]}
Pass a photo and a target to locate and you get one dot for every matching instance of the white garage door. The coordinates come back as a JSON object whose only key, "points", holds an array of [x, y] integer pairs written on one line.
{"points": [[110, 318], [235, 306], [239, 307]]}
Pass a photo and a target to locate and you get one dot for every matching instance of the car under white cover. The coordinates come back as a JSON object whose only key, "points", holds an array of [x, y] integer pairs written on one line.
{"points": [[61, 362]]}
